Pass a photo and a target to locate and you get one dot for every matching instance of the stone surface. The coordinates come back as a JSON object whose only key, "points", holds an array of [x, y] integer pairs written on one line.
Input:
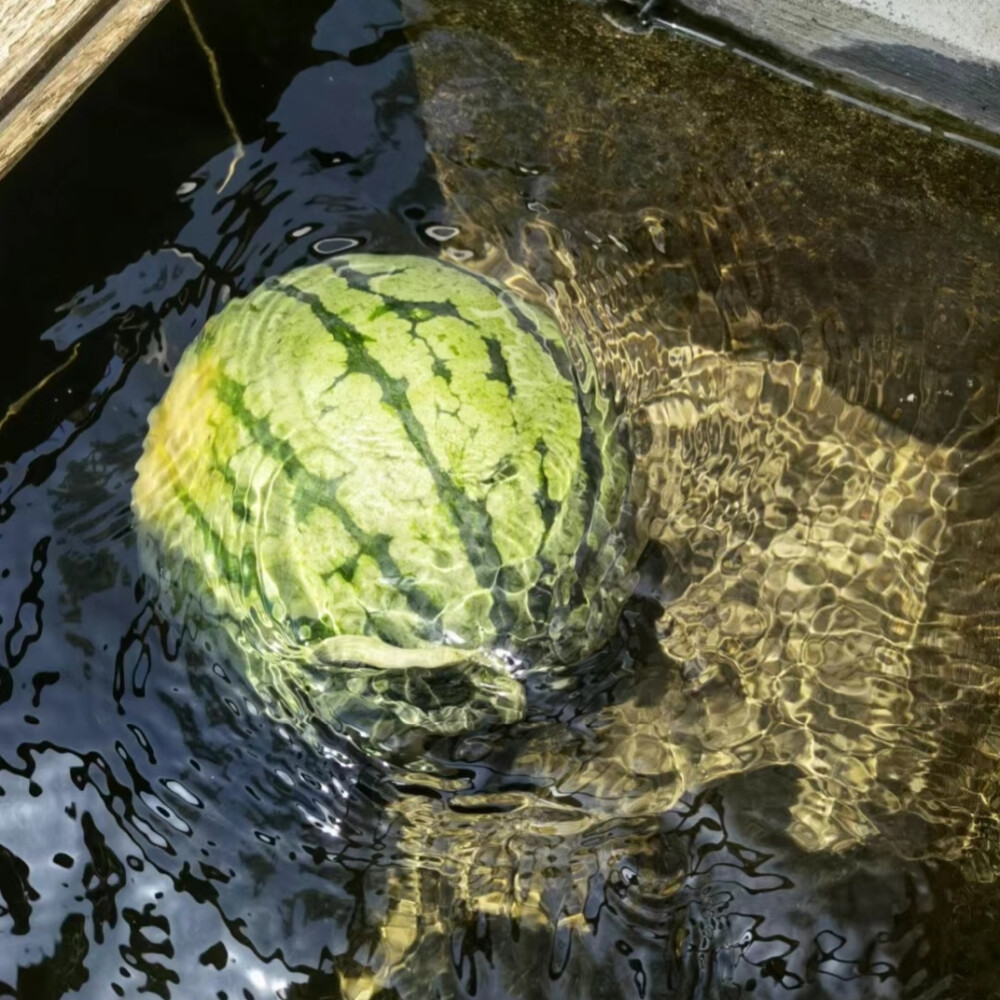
{"points": [[937, 53], [971, 26]]}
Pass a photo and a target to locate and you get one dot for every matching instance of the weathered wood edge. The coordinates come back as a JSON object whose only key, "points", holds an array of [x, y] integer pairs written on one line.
{"points": [[69, 76]]}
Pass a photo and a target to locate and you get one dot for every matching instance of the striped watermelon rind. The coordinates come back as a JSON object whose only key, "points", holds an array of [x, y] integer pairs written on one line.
{"points": [[393, 463]]}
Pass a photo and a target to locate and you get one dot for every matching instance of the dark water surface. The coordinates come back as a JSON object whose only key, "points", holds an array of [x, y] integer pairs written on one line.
{"points": [[765, 787]]}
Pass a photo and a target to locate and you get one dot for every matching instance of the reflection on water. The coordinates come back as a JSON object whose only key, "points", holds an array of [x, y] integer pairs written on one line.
{"points": [[780, 775]]}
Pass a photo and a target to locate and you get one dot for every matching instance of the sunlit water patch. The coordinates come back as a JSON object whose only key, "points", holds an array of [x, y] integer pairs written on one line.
{"points": [[779, 775]]}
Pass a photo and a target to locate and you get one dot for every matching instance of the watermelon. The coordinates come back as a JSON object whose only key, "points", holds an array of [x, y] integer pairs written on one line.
{"points": [[389, 481]]}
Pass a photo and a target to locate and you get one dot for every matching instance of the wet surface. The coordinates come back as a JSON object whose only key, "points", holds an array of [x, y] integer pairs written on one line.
{"points": [[778, 780]]}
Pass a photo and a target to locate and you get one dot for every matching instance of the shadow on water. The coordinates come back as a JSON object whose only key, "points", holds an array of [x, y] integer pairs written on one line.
{"points": [[161, 835], [166, 802]]}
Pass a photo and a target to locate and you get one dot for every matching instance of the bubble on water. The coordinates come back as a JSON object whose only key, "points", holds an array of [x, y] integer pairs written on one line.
{"points": [[442, 233], [334, 244]]}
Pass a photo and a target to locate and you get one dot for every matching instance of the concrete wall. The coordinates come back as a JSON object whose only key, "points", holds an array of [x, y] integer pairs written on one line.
{"points": [[968, 26], [939, 53]]}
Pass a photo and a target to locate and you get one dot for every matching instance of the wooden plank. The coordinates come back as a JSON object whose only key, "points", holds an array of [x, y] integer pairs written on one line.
{"points": [[50, 51]]}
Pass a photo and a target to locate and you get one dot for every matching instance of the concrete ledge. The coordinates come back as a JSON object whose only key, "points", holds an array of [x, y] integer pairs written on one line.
{"points": [[940, 54], [966, 27]]}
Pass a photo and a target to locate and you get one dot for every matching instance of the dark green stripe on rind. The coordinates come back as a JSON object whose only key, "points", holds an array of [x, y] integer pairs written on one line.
{"points": [[526, 320], [229, 566], [499, 372], [470, 518], [321, 492], [599, 488]]}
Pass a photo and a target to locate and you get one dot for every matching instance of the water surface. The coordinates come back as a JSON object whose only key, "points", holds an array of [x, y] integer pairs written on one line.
{"points": [[779, 779]]}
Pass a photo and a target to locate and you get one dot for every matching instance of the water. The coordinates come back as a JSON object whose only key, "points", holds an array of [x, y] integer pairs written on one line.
{"points": [[780, 777]]}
